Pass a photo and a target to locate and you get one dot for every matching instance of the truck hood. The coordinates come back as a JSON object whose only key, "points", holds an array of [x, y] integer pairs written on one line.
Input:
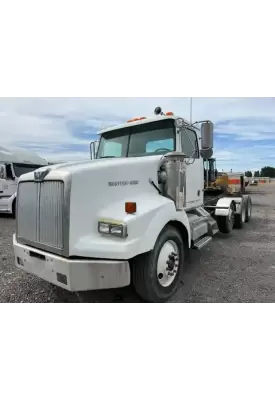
{"points": [[83, 167], [98, 190]]}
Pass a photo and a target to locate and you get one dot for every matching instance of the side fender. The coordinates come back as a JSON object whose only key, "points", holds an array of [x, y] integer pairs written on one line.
{"points": [[144, 227], [160, 220], [223, 205]]}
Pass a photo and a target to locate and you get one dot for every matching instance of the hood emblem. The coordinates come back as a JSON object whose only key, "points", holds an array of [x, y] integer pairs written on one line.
{"points": [[39, 176]]}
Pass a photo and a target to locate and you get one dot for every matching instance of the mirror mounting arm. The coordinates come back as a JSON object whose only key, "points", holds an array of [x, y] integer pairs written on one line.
{"points": [[201, 122], [93, 149]]}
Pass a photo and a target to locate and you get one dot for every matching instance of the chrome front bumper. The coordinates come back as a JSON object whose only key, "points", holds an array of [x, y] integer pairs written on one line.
{"points": [[72, 275]]}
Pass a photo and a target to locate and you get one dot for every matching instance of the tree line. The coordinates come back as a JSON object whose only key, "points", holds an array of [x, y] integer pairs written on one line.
{"points": [[267, 172]]}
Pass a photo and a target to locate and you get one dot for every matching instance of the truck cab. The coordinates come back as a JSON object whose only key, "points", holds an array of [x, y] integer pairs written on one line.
{"points": [[155, 137], [13, 164], [131, 214]]}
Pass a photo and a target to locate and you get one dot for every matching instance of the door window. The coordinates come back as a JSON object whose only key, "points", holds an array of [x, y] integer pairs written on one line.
{"points": [[9, 172], [189, 143]]}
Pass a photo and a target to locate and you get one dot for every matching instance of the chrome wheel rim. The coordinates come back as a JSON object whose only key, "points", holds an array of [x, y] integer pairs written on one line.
{"points": [[168, 263]]}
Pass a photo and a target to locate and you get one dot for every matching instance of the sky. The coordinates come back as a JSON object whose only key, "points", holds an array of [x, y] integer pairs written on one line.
{"points": [[60, 129]]}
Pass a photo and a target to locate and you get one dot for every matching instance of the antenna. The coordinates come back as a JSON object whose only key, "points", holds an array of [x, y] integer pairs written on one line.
{"points": [[191, 104]]}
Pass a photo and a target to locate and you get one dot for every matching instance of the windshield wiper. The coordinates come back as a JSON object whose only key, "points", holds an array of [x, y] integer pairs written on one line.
{"points": [[154, 185]]}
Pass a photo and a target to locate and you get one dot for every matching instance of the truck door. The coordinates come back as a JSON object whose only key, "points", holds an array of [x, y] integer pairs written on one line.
{"points": [[2, 178], [3, 183], [8, 185], [195, 170], [11, 181]]}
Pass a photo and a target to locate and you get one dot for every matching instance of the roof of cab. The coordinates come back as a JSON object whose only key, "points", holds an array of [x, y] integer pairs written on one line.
{"points": [[18, 155], [140, 122]]}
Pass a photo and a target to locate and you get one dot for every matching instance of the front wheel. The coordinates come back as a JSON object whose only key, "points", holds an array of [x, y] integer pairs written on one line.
{"points": [[156, 275]]}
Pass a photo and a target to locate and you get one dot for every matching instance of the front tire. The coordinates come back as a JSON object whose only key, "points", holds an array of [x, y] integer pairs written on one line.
{"points": [[156, 274]]}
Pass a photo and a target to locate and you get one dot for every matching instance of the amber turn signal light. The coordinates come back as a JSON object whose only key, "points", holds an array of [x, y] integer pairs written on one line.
{"points": [[130, 208]]}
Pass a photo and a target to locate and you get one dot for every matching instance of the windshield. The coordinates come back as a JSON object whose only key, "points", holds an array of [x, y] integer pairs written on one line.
{"points": [[139, 140], [21, 169]]}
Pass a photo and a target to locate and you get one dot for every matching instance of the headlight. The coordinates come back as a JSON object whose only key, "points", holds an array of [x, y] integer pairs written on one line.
{"points": [[114, 228]]}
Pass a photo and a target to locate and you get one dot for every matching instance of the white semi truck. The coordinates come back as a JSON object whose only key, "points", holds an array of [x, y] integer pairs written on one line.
{"points": [[128, 216], [14, 162]]}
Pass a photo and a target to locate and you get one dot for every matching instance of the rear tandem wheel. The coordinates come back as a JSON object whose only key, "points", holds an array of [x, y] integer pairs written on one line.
{"points": [[240, 218], [233, 220], [226, 223], [248, 210], [245, 213]]}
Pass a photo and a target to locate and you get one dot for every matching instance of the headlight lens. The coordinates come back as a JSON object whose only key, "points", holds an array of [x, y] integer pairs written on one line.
{"points": [[112, 228], [103, 228]]}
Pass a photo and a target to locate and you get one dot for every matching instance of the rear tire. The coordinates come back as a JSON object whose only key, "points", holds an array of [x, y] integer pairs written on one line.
{"points": [[240, 218], [248, 209], [153, 279], [225, 223]]}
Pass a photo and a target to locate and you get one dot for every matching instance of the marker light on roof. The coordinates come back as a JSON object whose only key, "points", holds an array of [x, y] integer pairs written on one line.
{"points": [[135, 119], [169, 113]]}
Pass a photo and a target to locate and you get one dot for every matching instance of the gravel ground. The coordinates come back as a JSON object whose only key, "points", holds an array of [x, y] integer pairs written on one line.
{"points": [[239, 267]]}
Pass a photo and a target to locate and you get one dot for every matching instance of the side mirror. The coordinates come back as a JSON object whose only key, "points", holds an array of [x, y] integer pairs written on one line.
{"points": [[207, 139], [93, 149], [207, 129], [206, 153]]}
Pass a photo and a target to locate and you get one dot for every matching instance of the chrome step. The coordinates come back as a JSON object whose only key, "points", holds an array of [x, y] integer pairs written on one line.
{"points": [[198, 226], [212, 227], [199, 220], [199, 244]]}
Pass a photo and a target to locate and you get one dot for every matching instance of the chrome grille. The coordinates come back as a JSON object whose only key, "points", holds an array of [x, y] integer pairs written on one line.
{"points": [[40, 213], [27, 210]]}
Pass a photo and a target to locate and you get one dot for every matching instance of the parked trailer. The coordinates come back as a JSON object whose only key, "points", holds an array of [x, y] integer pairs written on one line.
{"points": [[130, 215], [14, 162]]}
